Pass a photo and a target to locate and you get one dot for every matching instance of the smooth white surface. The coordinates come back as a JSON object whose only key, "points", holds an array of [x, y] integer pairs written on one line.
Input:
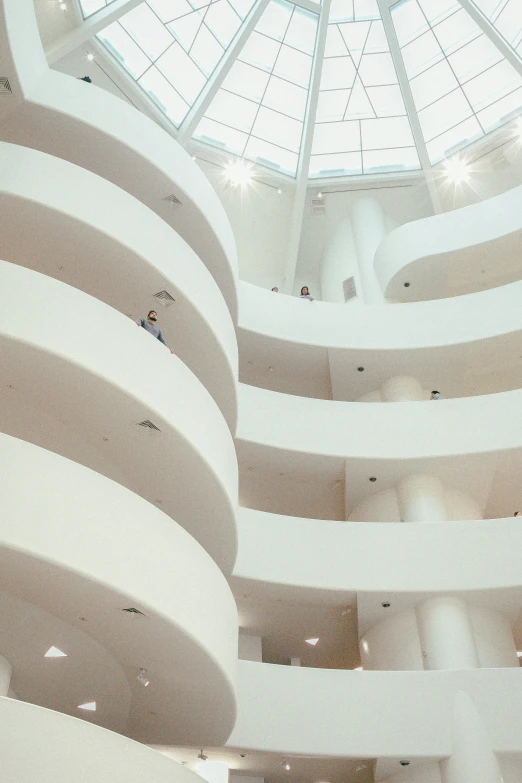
{"points": [[368, 232], [290, 709], [441, 632], [421, 498], [39, 744], [336, 430], [423, 252], [76, 121], [317, 559], [402, 388], [99, 548], [96, 382], [122, 255], [472, 758]]}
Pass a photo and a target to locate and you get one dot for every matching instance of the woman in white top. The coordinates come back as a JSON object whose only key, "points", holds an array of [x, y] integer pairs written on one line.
{"points": [[305, 294]]}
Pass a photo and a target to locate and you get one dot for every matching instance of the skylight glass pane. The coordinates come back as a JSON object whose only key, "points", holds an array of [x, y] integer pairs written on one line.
{"points": [[409, 21], [273, 73], [128, 53], [505, 16], [339, 164], [382, 161], [260, 51], [456, 73], [184, 40], [275, 19], [221, 136], [164, 95], [286, 98], [232, 110], [293, 65], [501, 111], [91, 6], [247, 81], [301, 30], [270, 155], [145, 27], [277, 129], [360, 104]]}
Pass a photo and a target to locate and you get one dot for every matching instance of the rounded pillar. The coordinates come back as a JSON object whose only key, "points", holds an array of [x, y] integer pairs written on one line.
{"points": [[337, 263], [446, 634], [369, 229], [421, 498], [472, 758], [5, 675], [402, 388]]}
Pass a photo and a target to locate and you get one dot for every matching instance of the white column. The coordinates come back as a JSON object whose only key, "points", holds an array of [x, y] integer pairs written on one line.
{"points": [[446, 634], [5, 675], [421, 498], [338, 262], [369, 229], [473, 758], [402, 388]]}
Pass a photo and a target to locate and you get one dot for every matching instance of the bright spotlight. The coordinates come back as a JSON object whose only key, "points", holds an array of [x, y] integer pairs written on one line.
{"points": [[457, 170], [239, 173]]}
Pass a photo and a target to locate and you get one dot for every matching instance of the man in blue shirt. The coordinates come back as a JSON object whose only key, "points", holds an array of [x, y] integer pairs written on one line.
{"points": [[150, 326]]}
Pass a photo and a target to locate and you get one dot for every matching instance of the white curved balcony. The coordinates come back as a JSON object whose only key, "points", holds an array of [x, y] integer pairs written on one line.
{"points": [[80, 377], [317, 560], [97, 549], [99, 132], [475, 246], [39, 744], [369, 714], [316, 349], [123, 256]]}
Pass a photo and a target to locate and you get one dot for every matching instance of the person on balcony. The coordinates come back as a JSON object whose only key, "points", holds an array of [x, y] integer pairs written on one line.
{"points": [[150, 326], [436, 395], [305, 294]]}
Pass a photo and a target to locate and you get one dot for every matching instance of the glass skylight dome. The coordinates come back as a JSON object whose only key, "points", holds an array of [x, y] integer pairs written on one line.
{"points": [[346, 87]]}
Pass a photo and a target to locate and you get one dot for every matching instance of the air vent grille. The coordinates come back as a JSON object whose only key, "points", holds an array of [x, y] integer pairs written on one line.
{"points": [[135, 612], [317, 206], [5, 87], [173, 200], [498, 161], [349, 289], [148, 425], [164, 298]]}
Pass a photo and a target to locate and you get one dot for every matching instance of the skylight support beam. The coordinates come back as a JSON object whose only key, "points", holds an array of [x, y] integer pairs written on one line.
{"points": [[494, 36], [301, 185], [205, 98], [90, 27], [409, 103]]}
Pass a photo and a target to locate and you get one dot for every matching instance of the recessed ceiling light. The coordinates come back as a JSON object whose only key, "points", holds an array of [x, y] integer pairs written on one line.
{"points": [[360, 369], [373, 478], [319, 195], [89, 705], [385, 604], [286, 765], [406, 285], [279, 191], [143, 677], [90, 57], [404, 763], [54, 652], [63, 6], [313, 642]]}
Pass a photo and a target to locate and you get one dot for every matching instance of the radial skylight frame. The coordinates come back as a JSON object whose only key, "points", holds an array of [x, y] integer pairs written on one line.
{"points": [[507, 39]]}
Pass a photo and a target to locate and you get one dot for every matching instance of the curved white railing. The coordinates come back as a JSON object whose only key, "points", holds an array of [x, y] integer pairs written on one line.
{"points": [[314, 560], [122, 255], [90, 127], [39, 744], [106, 549], [331, 430], [93, 376], [369, 714], [420, 253]]}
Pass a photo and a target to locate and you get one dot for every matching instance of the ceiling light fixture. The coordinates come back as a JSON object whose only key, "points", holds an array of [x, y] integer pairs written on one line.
{"points": [[239, 173], [54, 652], [89, 705], [320, 194], [143, 677], [202, 756], [313, 642], [279, 191], [90, 57], [63, 6], [457, 170], [286, 765]]}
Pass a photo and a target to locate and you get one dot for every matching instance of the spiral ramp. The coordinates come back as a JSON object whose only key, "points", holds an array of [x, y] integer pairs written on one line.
{"points": [[122, 543]]}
